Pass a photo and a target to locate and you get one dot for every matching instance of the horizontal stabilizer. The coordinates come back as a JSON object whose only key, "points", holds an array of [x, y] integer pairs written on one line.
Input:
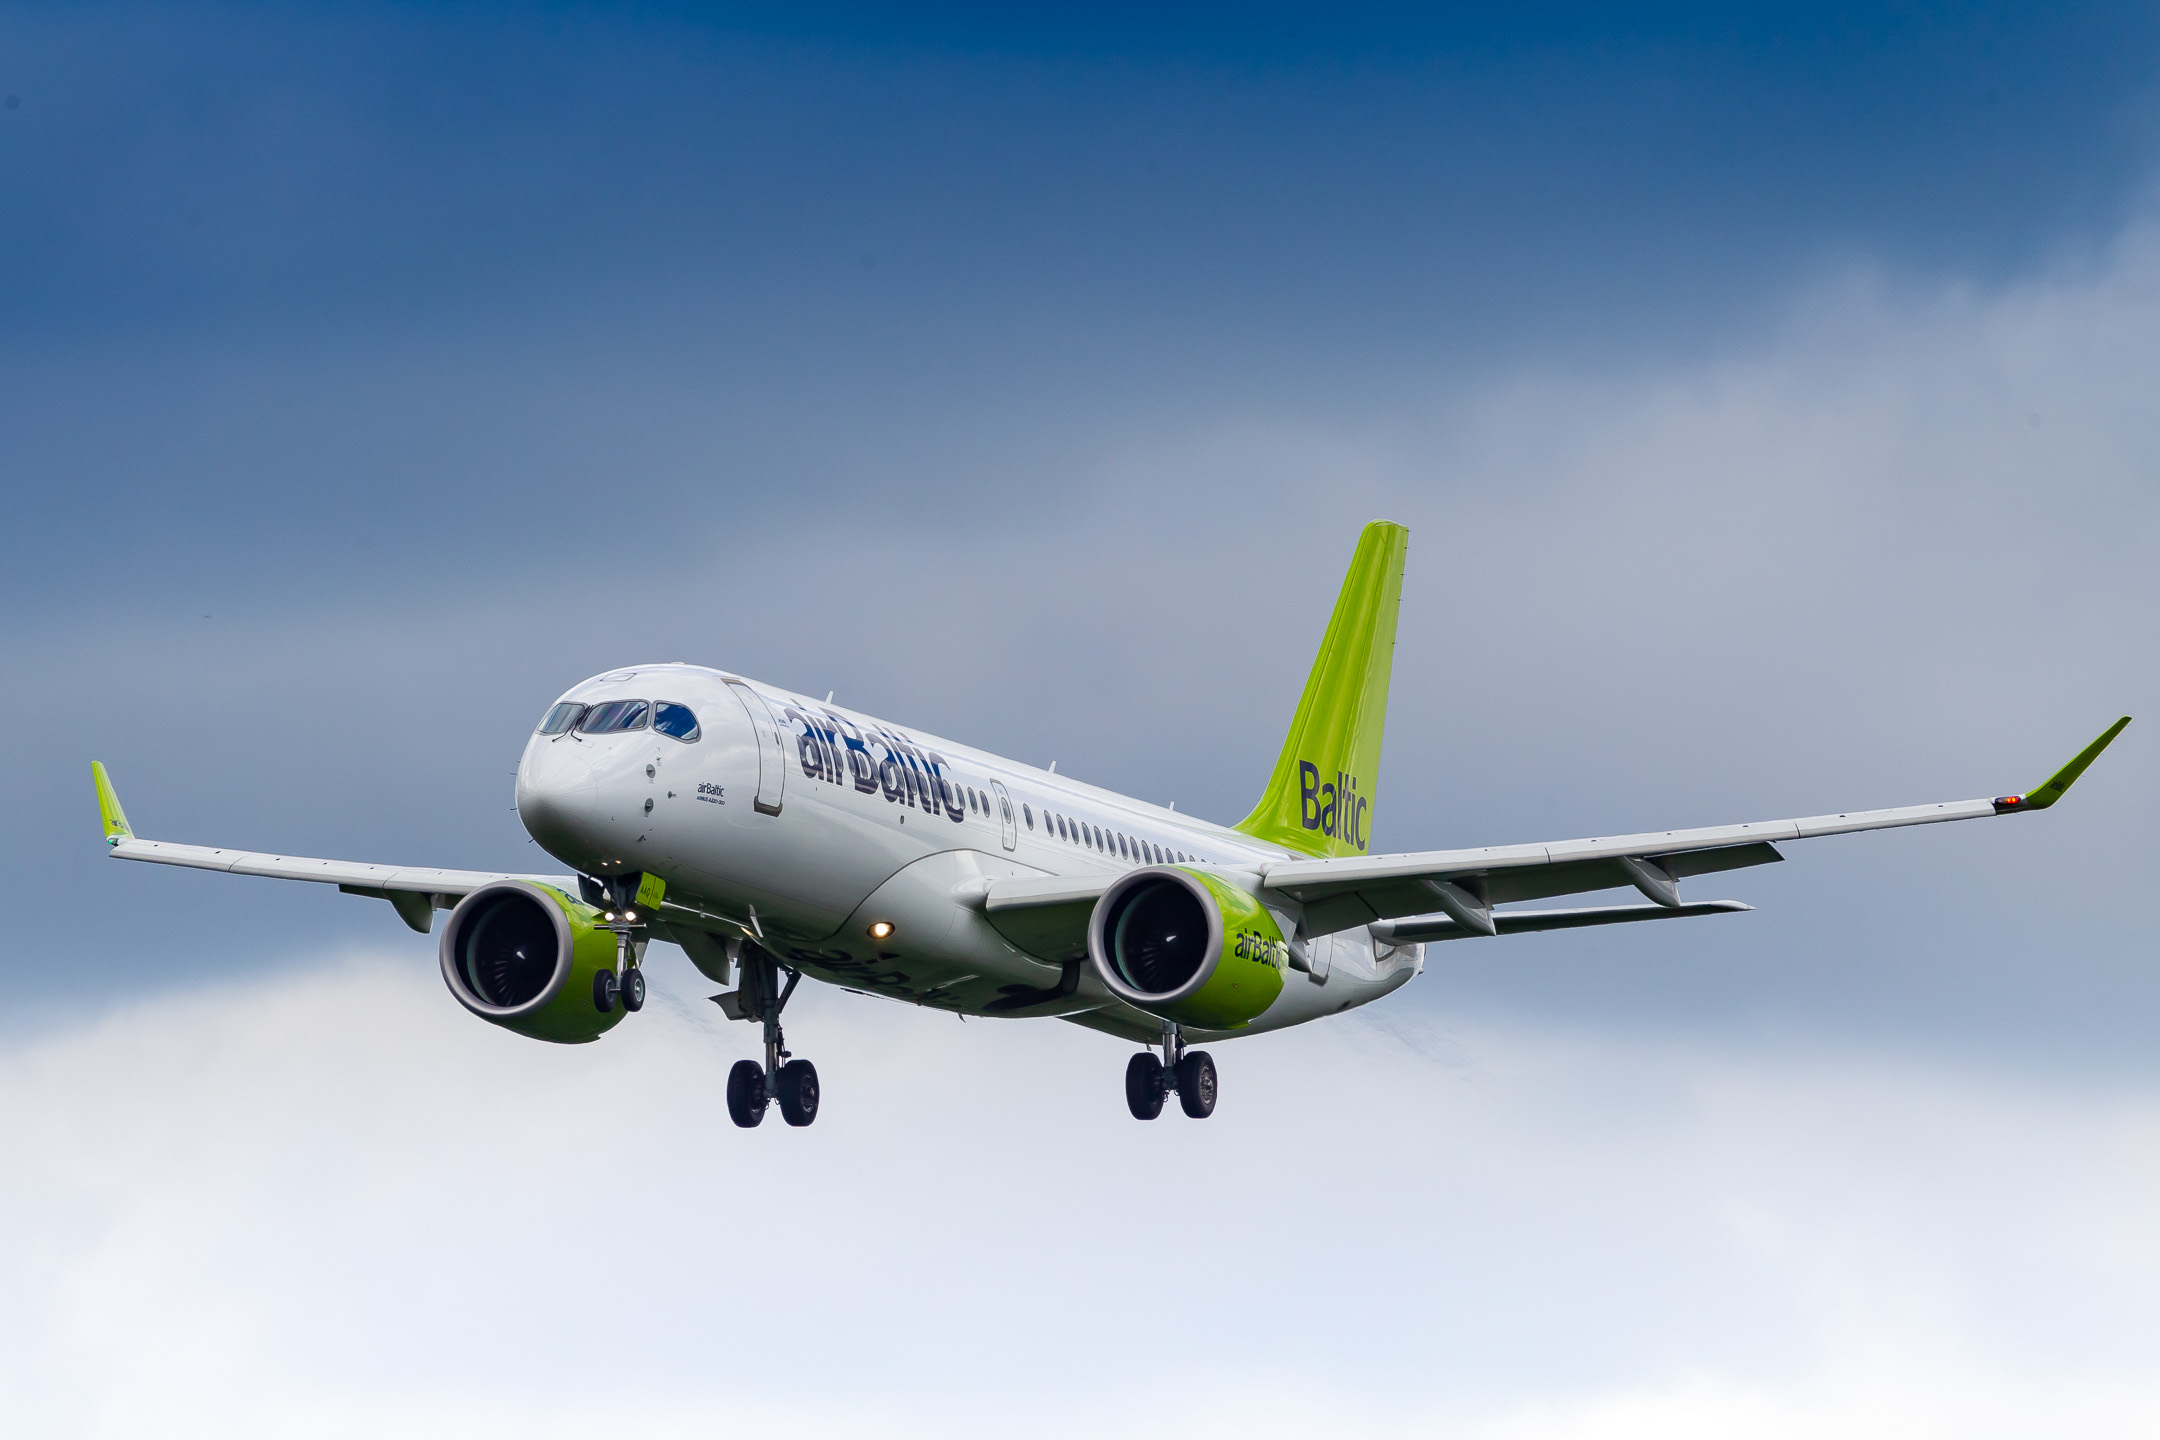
{"points": [[1413, 929]]}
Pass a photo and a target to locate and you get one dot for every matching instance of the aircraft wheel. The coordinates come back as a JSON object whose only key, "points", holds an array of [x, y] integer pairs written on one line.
{"points": [[604, 990], [1196, 1084], [746, 1094], [633, 989], [798, 1095], [1144, 1087]]}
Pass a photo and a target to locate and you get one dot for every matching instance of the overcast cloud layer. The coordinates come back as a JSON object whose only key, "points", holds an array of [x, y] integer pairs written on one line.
{"points": [[331, 1206], [1771, 406]]}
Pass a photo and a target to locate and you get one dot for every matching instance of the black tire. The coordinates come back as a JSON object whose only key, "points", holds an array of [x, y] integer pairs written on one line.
{"points": [[603, 992], [633, 989], [798, 1089], [1144, 1088], [746, 1094], [1196, 1084]]}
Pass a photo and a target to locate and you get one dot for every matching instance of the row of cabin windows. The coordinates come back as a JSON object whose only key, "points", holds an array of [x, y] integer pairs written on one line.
{"points": [[612, 717], [1109, 842]]}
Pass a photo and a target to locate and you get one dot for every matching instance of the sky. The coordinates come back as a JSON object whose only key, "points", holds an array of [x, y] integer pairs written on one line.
{"points": [[1767, 398]]}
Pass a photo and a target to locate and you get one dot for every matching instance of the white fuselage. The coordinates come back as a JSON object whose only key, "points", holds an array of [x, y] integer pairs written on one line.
{"points": [[808, 823]]}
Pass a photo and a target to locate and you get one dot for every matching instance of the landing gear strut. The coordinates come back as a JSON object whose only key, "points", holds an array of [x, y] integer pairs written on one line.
{"points": [[752, 1087], [625, 984], [1190, 1073]]}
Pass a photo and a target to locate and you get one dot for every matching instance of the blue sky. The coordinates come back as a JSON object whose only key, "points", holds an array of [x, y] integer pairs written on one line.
{"points": [[1768, 397]]}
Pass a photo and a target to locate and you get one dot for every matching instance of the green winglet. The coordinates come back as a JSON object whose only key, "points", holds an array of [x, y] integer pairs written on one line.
{"points": [[2051, 790], [108, 804]]}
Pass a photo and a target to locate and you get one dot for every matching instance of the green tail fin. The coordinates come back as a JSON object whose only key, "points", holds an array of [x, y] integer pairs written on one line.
{"points": [[1319, 799]]}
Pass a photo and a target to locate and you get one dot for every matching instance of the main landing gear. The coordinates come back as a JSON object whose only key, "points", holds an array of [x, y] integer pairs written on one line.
{"points": [[752, 1087], [1191, 1073]]}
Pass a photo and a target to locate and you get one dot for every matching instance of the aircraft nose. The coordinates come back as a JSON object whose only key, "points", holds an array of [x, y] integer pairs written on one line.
{"points": [[558, 799]]}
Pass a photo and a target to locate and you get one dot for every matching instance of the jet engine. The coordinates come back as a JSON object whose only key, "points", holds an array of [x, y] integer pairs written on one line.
{"points": [[1187, 946], [523, 956]]}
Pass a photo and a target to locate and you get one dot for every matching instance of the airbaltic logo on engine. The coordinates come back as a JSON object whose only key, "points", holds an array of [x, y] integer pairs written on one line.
{"points": [[1252, 945], [832, 749], [1335, 810]]}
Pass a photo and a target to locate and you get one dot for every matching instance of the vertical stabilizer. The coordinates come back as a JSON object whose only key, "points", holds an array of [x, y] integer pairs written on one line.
{"points": [[1319, 801]]}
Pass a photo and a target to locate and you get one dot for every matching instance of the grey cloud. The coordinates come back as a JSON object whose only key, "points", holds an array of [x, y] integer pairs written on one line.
{"points": [[334, 1200]]}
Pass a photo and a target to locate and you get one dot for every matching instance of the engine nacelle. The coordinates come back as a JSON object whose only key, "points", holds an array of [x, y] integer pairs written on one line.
{"points": [[523, 956], [1188, 946]]}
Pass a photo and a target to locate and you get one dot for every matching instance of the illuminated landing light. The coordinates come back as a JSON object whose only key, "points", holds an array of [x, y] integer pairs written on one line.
{"points": [[881, 930], [630, 915], [609, 917]]}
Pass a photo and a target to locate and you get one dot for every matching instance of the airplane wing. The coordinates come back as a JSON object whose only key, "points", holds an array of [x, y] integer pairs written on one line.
{"points": [[416, 893], [1464, 885]]}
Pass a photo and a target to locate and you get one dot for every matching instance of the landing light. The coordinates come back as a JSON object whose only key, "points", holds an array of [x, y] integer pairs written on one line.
{"points": [[629, 915], [609, 917], [881, 930]]}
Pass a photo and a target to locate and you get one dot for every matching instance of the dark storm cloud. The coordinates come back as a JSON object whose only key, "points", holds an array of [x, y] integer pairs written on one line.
{"points": [[279, 281]]}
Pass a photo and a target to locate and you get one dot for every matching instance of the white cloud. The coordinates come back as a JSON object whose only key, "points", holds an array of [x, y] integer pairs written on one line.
{"points": [[332, 1203]]}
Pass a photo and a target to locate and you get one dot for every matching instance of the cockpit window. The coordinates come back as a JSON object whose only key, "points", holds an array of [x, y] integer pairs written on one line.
{"points": [[561, 718], [614, 715], [676, 720]]}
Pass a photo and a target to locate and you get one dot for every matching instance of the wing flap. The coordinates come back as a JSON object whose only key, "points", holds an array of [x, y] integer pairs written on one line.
{"points": [[1417, 928]]}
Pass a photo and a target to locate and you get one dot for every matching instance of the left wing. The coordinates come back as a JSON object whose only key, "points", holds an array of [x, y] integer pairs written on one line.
{"points": [[1464, 885]]}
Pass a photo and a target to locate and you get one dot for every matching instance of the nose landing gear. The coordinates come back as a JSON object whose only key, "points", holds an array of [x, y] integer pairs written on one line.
{"points": [[625, 896], [627, 989], [1190, 1073]]}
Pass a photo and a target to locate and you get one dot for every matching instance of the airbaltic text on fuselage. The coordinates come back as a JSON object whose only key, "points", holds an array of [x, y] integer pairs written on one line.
{"points": [[838, 752], [1335, 810]]}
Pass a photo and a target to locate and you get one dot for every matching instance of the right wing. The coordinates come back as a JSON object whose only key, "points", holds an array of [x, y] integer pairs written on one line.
{"points": [[415, 892]]}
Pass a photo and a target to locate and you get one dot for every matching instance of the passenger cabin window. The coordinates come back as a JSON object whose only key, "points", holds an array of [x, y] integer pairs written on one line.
{"points": [[675, 720], [561, 718], [1029, 812], [614, 716]]}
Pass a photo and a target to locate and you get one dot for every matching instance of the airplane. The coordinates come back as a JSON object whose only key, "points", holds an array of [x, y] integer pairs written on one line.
{"points": [[773, 837]]}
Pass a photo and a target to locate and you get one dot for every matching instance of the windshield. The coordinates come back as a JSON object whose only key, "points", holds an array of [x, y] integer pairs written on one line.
{"points": [[613, 715], [561, 718]]}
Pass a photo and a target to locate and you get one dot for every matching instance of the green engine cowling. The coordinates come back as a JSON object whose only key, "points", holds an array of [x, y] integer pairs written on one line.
{"points": [[1188, 946], [523, 955]]}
